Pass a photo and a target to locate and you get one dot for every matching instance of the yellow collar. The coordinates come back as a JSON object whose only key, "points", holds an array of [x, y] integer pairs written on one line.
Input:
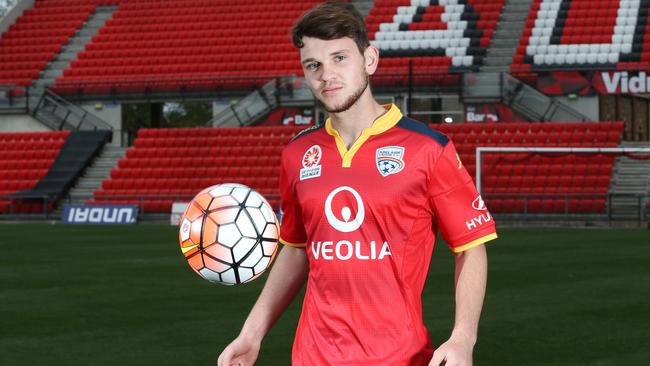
{"points": [[380, 125]]}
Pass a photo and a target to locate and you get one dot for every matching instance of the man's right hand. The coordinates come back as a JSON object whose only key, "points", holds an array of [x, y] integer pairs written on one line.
{"points": [[240, 352]]}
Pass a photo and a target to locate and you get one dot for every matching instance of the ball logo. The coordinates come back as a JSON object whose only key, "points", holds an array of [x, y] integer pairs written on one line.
{"points": [[312, 157], [348, 224], [479, 204]]}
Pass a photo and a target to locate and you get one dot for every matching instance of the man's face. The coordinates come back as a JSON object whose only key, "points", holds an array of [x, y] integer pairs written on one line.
{"points": [[335, 71]]}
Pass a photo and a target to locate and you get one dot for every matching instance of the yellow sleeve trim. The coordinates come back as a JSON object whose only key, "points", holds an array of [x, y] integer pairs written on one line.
{"points": [[297, 245], [475, 243]]}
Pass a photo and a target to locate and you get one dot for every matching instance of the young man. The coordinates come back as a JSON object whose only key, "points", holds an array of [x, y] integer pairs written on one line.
{"points": [[363, 197]]}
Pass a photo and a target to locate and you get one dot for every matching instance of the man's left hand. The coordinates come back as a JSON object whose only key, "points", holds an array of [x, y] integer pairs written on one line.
{"points": [[453, 353]]}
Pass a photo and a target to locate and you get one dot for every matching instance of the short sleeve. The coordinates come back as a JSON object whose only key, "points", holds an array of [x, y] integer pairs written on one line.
{"points": [[459, 211], [292, 230]]}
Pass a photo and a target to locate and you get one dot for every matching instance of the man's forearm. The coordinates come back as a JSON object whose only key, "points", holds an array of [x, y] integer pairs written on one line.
{"points": [[470, 281], [287, 277]]}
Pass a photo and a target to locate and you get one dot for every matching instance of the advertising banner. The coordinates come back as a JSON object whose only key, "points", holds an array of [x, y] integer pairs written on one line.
{"points": [[590, 83], [99, 214]]}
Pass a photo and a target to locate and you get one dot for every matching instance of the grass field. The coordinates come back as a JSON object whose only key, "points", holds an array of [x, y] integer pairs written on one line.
{"points": [[110, 295]]}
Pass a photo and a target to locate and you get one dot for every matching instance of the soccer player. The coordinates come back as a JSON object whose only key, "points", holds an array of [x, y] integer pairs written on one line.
{"points": [[362, 198]]}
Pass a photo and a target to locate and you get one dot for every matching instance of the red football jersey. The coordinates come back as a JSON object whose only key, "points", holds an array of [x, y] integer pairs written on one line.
{"points": [[367, 218]]}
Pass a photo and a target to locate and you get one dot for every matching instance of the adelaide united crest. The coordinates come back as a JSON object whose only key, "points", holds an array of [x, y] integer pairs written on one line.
{"points": [[390, 160]]}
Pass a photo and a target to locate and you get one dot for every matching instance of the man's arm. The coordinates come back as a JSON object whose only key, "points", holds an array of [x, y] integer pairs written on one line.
{"points": [[287, 277], [470, 281]]}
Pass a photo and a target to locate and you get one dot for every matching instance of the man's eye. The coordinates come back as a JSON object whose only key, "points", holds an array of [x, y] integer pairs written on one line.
{"points": [[339, 58], [312, 66]]}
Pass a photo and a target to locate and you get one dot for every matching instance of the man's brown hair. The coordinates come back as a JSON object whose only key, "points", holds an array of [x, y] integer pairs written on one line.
{"points": [[331, 20]]}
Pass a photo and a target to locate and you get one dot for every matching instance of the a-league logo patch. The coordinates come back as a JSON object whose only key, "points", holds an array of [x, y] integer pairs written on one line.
{"points": [[390, 160], [311, 163]]}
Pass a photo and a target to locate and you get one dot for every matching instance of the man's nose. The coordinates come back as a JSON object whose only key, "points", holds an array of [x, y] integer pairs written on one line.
{"points": [[327, 73]]}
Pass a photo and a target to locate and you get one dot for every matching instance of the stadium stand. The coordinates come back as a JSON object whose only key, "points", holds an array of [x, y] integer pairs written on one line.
{"points": [[540, 183], [33, 40], [584, 34], [25, 159], [169, 45], [167, 165], [436, 40], [172, 45]]}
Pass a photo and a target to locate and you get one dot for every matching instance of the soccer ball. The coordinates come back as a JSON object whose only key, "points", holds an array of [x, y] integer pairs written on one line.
{"points": [[229, 234]]}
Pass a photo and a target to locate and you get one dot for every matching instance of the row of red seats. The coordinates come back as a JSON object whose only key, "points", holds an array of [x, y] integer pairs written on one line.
{"points": [[188, 28], [193, 172], [213, 41], [284, 68], [530, 128], [221, 150], [17, 206], [28, 154], [553, 139], [13, 185], [570, 180], [190, 48], [166, 158], [210, 141], [546, 159], [35, 37], [261, 132], [210, 4], [33, 136], [22, 174], [600, 188], [546, 169], [33, 145], [16, 28], [192, 17], [108, 61], [196, 182], [568, 205], [26, 164], [38, 18], [24, 57], [149, 83]]}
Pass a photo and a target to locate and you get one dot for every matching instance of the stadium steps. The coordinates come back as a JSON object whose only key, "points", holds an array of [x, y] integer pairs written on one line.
{"points": [[94, 174], [76, 44], [504, 43], [61, 61], [631, 181]]}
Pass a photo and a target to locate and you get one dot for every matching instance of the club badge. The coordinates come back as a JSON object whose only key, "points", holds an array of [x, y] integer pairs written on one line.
{"points": [[390, 160]]}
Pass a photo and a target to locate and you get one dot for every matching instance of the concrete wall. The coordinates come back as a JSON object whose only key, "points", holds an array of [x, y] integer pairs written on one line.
{"points": [[20, 123], [220, 105], [111, 114], [585, 105], [14, 13]]}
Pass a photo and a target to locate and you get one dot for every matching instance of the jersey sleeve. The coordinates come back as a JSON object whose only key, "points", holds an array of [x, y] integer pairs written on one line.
{"points": [[292, 230], [459, 210]]}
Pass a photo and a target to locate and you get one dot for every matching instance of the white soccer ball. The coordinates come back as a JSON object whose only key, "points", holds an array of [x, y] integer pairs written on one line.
{"points": [[229, 234]]}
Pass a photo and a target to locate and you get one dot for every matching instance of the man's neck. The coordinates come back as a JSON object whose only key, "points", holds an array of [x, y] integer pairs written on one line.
{"points": [[352, 122]]}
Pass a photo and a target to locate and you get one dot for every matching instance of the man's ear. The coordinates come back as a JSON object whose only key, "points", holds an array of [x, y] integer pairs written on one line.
{"points": [[371, 56]]}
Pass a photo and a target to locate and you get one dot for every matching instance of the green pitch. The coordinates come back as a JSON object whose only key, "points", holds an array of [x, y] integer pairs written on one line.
{"points": [[81, 295]]}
